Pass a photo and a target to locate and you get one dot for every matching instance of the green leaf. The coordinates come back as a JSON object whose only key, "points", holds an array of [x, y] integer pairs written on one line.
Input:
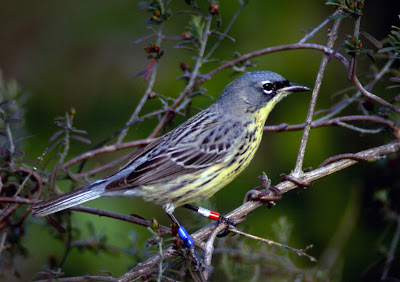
{"points": [[366, 51], [372, 39], [387, 49], [334, 3], [396, 34]]}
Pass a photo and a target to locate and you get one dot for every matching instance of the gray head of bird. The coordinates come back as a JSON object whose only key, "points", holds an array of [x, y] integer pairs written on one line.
{"points": [[257, 91]]}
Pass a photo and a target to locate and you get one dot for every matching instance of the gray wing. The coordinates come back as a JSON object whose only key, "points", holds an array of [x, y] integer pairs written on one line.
{"points": [[197, 144]]}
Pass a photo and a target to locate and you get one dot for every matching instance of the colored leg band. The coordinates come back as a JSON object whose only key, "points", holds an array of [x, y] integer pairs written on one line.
{"points": [[207, 213], [185, 236]]}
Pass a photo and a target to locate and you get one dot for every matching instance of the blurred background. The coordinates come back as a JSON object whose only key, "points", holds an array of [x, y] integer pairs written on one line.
{"points": [[79, 54]]}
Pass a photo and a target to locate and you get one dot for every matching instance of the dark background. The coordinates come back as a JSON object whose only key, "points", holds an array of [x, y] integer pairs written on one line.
{"points": [[79, 54]]}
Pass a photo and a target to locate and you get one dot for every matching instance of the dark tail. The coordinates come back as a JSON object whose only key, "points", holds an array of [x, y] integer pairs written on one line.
{"points": [[69, 199]]}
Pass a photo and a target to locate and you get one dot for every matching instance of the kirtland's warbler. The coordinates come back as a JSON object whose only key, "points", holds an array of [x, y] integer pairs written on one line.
{"points": [[199, 157]]}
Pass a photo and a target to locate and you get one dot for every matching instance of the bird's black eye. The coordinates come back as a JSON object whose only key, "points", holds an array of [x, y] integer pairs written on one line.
{"points": [[268, 87]]}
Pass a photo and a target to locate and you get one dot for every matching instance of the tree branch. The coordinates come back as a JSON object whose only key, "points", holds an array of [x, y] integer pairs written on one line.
{"points": [[240, 213]]}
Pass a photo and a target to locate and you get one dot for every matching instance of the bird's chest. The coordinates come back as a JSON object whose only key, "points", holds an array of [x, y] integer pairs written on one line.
{"points": [[247, 148]]}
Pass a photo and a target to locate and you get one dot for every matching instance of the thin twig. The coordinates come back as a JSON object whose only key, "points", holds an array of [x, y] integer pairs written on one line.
{"points": [[347, 156], [192, 80], [373, 96], [299, 252], [337, 121], [228, 27], [298, 170], [359, 129], [339, 107], [315, 30], [100, 168], [107, 149], [146, 94]]}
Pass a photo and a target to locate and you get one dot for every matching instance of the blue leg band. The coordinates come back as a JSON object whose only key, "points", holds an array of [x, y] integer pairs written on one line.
{"points": [[185, 236]]}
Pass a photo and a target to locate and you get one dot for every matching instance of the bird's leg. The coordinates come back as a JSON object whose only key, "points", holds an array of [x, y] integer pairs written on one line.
{"points": [[185, 237], [214, 216], [204, 212]]}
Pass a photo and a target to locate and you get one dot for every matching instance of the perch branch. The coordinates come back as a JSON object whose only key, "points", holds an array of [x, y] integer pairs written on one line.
{"points": [[239, 213]]}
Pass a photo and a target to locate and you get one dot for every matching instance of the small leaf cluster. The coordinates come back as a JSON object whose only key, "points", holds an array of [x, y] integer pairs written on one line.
{"points": [[348, 8], [157, 10], [354, 47], [394, 41]]}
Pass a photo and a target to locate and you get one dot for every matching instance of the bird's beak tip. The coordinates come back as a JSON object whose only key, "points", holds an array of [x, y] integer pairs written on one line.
{"points": [[295, 87]]}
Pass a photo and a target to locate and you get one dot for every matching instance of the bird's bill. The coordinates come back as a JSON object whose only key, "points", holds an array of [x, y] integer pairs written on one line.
{"points": [[295, 87]]}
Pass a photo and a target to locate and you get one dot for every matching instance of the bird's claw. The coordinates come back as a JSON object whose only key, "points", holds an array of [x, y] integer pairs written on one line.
{"points": [[195, 257], [296, 181], [270, 195], [198, 261], [230, 224]]}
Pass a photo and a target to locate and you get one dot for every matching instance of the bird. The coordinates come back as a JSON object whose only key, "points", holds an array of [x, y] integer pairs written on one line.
{"points": [[199, 157]]}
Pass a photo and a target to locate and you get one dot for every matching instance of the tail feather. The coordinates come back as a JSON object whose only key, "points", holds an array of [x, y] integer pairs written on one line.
{"points": [[68, 200]]}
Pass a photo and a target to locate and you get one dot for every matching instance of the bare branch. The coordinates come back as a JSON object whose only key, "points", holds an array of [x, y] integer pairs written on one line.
{"points": [[298, 170]]}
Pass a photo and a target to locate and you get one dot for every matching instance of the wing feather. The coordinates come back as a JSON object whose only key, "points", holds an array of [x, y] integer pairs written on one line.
{"points": [[196, 150]]}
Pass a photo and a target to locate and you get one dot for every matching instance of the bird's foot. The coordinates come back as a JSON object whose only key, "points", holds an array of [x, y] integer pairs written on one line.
{"points": [[196, 259], [296, 180], [230, 224], [269, 194]]}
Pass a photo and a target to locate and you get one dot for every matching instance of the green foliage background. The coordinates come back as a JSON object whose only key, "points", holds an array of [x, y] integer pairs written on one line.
{"points": [[79, 54]]}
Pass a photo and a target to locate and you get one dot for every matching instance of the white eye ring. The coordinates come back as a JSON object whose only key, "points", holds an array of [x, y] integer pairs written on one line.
{"points": [[268, 87]]}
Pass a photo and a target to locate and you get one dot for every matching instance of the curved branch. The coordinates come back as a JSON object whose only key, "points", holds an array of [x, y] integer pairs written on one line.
{"points": [[373, 96]]}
